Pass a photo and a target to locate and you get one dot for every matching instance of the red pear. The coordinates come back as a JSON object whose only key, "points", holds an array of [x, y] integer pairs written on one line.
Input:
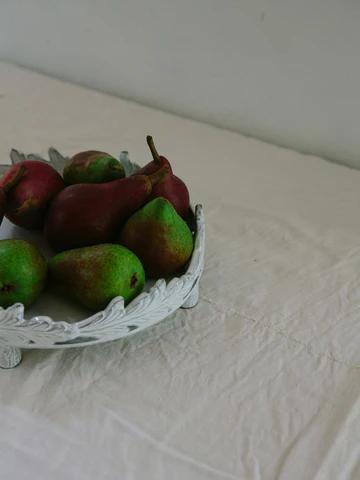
{"points": [[3, 190], [28, 200], [157, 162], [88, 214], [170, 187]]}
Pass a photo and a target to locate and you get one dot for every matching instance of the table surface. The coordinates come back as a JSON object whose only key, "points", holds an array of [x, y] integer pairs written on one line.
{"points": [[262, 379]]}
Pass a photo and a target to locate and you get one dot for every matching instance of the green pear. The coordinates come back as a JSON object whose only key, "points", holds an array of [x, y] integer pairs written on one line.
{"points": [[159, 237], [22, 272], [95, 275], [92, 166]]}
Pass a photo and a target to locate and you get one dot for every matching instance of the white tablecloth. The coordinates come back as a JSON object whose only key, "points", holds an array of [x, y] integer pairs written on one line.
{"points": [[262, 379]]}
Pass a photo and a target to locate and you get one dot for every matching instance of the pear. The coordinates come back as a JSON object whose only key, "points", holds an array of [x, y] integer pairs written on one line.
{"points": [[157, 162], [88, 214], [159, 237], [170, 187], [5, 189], [92, 166], [30, 186], [22, 272], [95, 275]]}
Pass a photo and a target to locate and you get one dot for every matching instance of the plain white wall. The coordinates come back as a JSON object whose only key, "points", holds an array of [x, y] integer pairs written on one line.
{"points": [[287, 71]]}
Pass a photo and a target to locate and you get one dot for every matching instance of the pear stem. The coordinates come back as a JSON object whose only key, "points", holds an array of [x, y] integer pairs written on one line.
{"points": [[15, 179], [159, 175], [153, 150]]}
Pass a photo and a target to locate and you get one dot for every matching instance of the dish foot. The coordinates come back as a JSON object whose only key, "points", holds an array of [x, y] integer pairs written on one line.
{"points": [[10, 357], [192, 299]]}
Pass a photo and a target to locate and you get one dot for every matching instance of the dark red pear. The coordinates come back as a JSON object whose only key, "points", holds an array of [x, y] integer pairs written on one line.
{"points": [[170, 187], [4, 190], [89, 214], [28, 200], [157, 162]]}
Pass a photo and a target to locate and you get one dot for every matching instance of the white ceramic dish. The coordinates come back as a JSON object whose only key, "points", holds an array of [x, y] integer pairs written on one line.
{"points": [[52, 322]]}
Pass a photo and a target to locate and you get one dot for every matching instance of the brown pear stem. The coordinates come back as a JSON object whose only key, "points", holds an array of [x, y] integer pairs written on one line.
{"points": [[159, 175], [15, 179], [153, 150]]}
